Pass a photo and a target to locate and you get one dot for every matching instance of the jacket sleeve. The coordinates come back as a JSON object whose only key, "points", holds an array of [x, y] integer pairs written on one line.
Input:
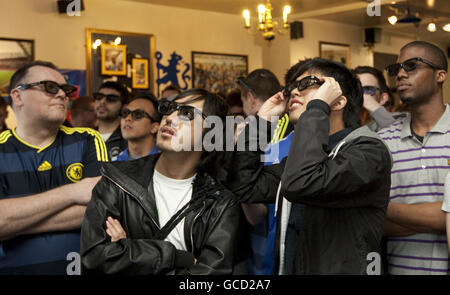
{"points": [[382, 117], [218, 252], [130, 256], [312, 177], [249, 179]]}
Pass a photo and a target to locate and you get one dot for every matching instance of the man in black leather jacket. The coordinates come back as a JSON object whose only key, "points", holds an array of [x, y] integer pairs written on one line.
{"points": [[145, 219], [333, 187]]}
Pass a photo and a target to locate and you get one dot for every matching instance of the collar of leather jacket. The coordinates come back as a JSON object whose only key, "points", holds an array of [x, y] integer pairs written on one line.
{"points": [[136, 176]]}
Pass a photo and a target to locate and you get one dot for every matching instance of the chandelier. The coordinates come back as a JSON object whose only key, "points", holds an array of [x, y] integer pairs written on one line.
{"points": [[265, 24]]}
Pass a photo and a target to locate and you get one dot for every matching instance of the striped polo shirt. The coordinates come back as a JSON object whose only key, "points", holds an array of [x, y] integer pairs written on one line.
{"points": [[418, 176], [27, 170]]}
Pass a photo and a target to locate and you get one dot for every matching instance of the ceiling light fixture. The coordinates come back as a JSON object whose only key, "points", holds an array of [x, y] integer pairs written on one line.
{"points": [[392, 19], [265, 23], [431, 27]]}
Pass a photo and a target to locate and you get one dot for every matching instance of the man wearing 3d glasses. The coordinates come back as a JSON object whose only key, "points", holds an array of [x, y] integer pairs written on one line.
{"points": [[165, 213], [109, 100], [377, 99], [335, 179], [419, 143], [47, 173], [139, 124]]}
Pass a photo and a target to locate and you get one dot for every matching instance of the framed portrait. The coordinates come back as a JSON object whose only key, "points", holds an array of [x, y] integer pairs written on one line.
{"points": [[110, 54], [14, 53], [335, 51], [114, 59], [218, 72], [140, 73]]}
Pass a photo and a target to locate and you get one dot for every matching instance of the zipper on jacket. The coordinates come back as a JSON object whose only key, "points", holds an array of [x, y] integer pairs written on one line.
{"points": [[192, 225], [136, 198]]}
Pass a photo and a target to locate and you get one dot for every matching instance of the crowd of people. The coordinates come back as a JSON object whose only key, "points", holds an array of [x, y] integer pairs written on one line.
{"points": [[332, 180]]}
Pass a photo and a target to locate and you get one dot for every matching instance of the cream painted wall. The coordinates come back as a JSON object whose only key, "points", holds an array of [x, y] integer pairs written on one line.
{"points": [[61, 39]]}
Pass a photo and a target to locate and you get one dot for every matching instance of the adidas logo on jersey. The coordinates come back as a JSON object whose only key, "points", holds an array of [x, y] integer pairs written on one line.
{"points": [[45, 166]]}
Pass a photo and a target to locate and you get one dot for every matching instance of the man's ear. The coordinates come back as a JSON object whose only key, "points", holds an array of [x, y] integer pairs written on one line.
{"points": [[441, 76], [16, 98], [384, 98], [154, 127], [251, 98], [340, 104]]}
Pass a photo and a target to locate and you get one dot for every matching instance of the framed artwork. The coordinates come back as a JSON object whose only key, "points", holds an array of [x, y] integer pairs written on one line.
{"points": [[110, 55], [114, 59], [217, 72], [14, 53], [140, 73], [335, 51]]}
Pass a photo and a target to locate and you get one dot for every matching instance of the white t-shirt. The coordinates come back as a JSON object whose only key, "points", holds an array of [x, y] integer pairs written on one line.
{"points": [[105, 136], [170, 196], [446, 202]]}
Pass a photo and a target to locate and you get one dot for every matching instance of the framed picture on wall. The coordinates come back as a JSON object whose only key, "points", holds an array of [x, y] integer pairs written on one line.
{"points": [[114, 59], [110, 54], [14, 53], [140, 73], [335, 51], [217, 72]]}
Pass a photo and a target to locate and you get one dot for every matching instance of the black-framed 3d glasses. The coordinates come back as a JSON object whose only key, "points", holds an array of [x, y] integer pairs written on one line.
{"points": [[185, 112], [136, 114], [409, 65], [371, 90], [301, 85], [109, 97], [52, 87]]}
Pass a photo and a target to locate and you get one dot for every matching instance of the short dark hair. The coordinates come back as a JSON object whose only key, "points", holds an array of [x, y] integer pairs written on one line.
{"points": [[261, 82], [124, 93], [380, 79], [150, 97], [173, 88], [350, 85], [80, 103], [22, 72], [434, 51], [234, 98], [293, 70], [3, 103]]}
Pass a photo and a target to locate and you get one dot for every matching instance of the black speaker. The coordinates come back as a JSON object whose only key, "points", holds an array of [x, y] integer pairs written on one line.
{"points": [[372, 36], [296, 30], [62, 5]]}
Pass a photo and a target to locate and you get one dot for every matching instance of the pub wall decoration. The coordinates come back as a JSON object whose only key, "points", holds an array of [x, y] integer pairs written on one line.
{"points": [[119, 56], [169, 74], [217, 72], [14, 53]]}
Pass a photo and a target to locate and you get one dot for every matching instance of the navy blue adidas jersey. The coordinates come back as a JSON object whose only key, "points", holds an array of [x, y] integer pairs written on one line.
{"points": [[26, 170]]}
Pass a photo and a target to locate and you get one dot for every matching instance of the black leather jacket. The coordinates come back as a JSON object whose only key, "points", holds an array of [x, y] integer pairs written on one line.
{"points": [[210, 228]]}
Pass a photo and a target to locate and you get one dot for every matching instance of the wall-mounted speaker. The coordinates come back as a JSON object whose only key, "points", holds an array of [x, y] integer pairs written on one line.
{"points": [[296, 30], [372, 36], [63, 4]]}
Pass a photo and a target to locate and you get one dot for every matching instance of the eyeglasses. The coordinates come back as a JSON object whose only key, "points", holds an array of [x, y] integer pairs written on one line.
{"points": [[185, 113], [302, 84], [135, 114], [408, 65], [52, 87], [109, 97], [371, 90]]}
